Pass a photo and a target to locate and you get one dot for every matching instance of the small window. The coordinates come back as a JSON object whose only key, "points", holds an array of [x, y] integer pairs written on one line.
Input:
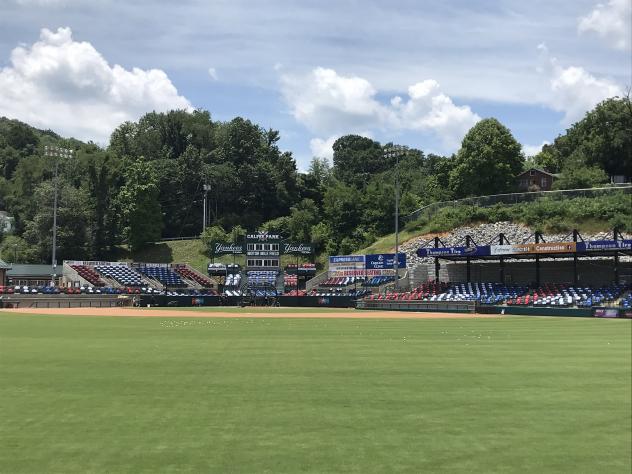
{"points": [[544, 182], [531, 172]]}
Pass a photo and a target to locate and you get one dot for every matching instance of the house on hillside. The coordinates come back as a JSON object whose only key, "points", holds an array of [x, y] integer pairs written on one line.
{"points": [[535, 179]]}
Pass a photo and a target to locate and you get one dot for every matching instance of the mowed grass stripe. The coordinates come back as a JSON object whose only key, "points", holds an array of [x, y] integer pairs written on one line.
{"points": [[314, 395]]}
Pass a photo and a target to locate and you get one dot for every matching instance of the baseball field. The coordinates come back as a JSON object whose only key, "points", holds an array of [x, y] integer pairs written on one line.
{"points": [[283, 392]]}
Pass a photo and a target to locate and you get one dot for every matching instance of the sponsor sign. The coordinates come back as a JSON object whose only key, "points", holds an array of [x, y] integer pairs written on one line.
{"points": [[606, 313], [597, 245], [471, 251], [220, 248], [263, 236], [385, 261], [346, 265], [297, 248], [338, 259], [541, 248]]}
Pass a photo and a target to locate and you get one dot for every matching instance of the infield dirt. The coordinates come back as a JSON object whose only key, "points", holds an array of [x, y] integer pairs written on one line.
{"points": [[171, 313]]}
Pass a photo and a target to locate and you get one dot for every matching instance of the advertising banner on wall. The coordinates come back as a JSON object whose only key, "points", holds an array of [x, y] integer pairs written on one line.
{"points": [[220, 248], [601, 245], [525, 249], [541, 248], [606, 312], [346, 265], [292, 248], [385, 261], [472, 251]]}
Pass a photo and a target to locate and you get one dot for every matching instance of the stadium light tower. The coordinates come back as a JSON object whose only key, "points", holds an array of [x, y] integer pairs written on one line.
{"points": [[396, 151], [56, 153], [207, 188]]}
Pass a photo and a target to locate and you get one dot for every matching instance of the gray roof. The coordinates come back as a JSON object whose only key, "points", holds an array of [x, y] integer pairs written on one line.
{"points": [[4, 265], [538, 169], [18, 269]]}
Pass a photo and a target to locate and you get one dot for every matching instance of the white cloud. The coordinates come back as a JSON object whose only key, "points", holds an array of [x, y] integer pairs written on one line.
{"points": [[68, 86], [331, 104], [323, 148], [574, 91], [212, 72], [612, 22], [532, 150]]}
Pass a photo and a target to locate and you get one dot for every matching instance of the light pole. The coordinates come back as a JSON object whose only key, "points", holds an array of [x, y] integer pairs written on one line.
{"points": [[396, 151], [207, 188], [56, 153]]}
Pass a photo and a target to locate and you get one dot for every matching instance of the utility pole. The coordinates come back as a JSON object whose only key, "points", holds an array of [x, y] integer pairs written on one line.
{"points": [[207, 188], [56, 153], [396, 151]]}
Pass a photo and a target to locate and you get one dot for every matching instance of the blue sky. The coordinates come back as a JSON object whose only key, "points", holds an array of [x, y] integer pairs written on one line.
{"points": [[419, 73]]}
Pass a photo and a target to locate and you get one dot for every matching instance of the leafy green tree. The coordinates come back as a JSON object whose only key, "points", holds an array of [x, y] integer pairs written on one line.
{"points": [[342, 209], [577, 177], [138, 201], [212, 234], [73, 238], [487, 162], [15, 249], [357, 158], [237, 234], [322, 238], [303, 216], [280, 225], [602, 138], [21, 137]]}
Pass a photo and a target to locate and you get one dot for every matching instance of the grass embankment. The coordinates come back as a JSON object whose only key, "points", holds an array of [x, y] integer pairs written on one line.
{"points": [[594, 214], [288, 395]]}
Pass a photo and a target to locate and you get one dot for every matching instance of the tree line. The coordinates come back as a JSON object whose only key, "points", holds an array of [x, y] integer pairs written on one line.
{"points": [[148, 182]]}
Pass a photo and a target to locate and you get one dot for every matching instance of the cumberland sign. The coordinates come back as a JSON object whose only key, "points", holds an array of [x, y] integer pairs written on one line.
{"points": [[220, 248]]}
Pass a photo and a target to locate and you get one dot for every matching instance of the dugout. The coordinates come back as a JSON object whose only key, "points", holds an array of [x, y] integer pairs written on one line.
{"points": [[571, 260]]}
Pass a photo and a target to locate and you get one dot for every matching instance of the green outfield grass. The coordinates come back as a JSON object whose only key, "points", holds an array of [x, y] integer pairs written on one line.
{"points": [[517, 394]]}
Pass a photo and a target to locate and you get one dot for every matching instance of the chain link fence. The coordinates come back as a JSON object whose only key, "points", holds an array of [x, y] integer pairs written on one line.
{"points": [[515, 198]]}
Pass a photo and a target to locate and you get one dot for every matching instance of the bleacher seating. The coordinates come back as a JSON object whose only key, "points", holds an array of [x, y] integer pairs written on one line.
{"points": [[233, 281], [88, 274], [187, 273], [261, 277], [163, 274], [358, 293], [295, 293], [626, 301], [379, 281], [567, 295], [123, 274], [290, 281], [499, 294]]}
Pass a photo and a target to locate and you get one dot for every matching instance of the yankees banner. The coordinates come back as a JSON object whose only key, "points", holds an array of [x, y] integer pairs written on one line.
{"points": [[290, 248], [220, 248]]}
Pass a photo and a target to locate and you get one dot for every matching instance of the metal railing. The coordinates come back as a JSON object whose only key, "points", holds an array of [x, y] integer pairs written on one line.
{"points": [[514, 198]]}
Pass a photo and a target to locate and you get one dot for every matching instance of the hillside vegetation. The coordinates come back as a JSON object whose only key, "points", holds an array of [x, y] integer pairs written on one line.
{"points": [[589, 215], [148, 184], [548, 215]]}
